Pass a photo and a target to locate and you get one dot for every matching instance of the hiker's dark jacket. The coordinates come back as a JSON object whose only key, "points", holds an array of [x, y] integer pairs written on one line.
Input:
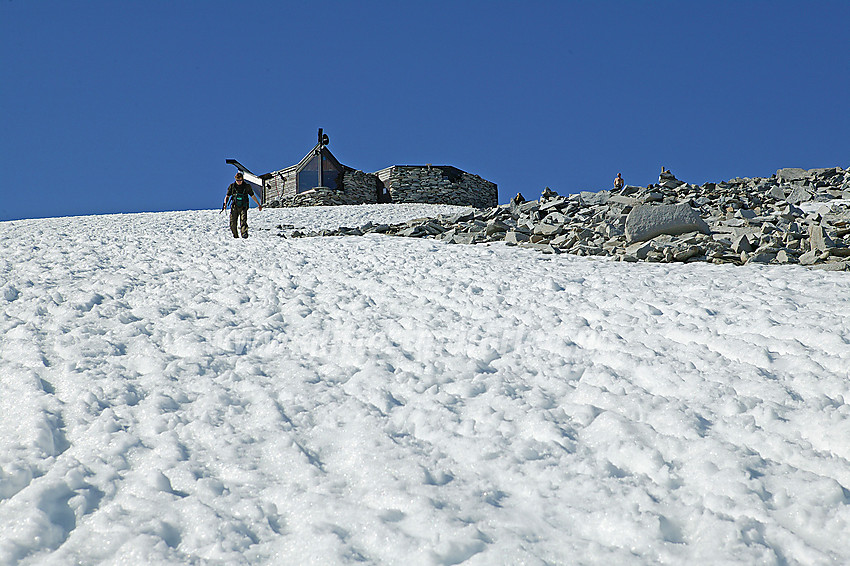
{"points": [[240, 194]]}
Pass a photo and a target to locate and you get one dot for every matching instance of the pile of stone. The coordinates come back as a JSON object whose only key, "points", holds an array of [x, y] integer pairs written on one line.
{"points": [[794, 217]]}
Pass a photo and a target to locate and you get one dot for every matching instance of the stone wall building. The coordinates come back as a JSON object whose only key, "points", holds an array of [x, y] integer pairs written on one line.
{"points": [[302, 185], [437, 184]]}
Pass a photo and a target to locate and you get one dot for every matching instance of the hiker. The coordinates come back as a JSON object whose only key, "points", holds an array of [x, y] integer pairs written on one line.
{"points": [[238, 193], [618, 182]]}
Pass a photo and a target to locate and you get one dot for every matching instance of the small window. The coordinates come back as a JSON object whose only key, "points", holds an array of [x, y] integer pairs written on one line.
{"points": [[308, 176]]}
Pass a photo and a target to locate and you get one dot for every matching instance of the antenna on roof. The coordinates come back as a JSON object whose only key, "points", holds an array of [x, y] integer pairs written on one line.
{"points": [[323, 141]]}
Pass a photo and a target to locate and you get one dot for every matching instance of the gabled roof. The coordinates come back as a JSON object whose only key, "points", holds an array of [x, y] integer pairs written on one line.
{"points": [[325, 152]]}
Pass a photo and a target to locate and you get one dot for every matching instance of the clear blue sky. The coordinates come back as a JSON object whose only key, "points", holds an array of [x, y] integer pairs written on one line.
{"points": [[126, 106]]}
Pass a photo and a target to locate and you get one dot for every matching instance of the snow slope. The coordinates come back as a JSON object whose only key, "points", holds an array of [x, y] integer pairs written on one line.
{"points": [[171, 395]]}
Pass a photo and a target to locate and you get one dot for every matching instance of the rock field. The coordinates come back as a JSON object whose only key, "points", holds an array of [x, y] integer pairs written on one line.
{"points": [[793, 217]]}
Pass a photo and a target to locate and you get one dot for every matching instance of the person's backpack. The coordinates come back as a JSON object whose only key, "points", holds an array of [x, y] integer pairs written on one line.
{"points": [[240, 199]]}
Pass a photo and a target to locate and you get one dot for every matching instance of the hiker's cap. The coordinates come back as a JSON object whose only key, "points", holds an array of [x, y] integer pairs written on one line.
{"points": [[239, 175]]}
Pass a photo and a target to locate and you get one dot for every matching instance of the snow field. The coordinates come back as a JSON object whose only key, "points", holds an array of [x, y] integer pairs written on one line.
{"points": [[171, 395]]}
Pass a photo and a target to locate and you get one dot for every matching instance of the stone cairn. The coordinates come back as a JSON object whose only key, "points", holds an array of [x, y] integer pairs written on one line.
{"points": [[740, 221]]}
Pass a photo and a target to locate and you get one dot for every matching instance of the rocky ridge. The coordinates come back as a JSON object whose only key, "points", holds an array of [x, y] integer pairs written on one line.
{"points": [[793, 217]]}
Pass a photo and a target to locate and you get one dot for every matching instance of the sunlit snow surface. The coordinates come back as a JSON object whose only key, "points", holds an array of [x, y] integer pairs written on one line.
{"points": [[171, 395]]}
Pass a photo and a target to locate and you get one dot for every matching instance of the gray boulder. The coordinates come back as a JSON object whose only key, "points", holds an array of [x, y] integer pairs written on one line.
{"points": [[764, 257], [783, 257], [553, 204], [789, 212], [589, 198], [792, 174], [688, 253], [623, 200], [564, 240], [809, 258], [546, 229], [776, 192], [798, 195], [742, 244], [460, 217], [516, 237], [834, 266], [463, 239], [528, 207], [819, 239], [639, 250], [495, 226], [645, 222]]}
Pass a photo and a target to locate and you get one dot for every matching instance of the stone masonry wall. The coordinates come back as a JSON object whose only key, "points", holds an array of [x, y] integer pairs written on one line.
{"points": [[438, 185], [316, 197], [481, 193], [359, 187]]}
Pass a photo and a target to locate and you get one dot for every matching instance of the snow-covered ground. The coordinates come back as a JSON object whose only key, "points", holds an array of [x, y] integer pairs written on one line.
{"points": [[171, 395]]}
